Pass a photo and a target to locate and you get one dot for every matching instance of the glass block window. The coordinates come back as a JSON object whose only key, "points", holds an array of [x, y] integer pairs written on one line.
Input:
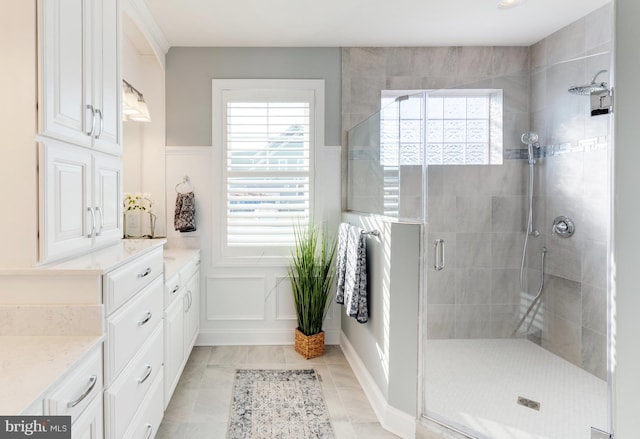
{"points": [[447, 127], [464, 127]]}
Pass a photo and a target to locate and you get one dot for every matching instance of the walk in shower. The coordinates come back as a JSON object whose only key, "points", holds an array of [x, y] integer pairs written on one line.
{"points": [[509, 176]]}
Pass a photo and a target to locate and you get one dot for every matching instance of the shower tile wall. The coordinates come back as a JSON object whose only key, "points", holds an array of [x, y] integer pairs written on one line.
{"points": [[574, 184], [477, 210]]}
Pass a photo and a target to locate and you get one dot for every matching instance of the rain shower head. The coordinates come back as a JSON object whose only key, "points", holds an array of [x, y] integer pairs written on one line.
{"points": [[592, 87]]}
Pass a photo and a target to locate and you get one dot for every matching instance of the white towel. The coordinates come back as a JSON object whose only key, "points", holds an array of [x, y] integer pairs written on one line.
{"points": [[341, 260], [355, 285]]}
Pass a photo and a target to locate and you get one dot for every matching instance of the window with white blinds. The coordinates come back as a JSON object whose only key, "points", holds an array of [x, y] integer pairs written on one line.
{"points": [[267, 146]]}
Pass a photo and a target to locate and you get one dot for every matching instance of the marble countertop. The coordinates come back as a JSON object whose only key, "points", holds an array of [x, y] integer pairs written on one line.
{"points": [[97, 262], [176, 258], [31, 365]]}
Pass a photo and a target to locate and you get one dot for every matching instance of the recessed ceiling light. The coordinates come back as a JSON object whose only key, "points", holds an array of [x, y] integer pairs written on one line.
{"points": [[508, 4]]}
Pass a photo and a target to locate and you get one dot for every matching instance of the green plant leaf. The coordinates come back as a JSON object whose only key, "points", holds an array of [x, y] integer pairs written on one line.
{"points": [[312, 274]]}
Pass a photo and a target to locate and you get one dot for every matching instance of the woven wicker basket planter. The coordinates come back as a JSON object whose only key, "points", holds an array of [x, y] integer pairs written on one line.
{"points": [[309, 346]]}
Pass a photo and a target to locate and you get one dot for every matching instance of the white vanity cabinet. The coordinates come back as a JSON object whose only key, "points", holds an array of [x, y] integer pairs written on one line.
{"points": [[133, 298], [79, 395], [81, 200], [79, 90], [182, 313]]}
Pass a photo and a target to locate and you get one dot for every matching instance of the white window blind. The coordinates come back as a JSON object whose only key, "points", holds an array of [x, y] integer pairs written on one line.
{"points": [[267, 148]]}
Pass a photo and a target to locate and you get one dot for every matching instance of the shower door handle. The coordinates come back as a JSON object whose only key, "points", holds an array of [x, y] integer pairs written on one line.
{"points": [[438, 254]]}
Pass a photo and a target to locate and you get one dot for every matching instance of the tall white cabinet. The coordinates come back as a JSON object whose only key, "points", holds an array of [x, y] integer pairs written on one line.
{"points": [[79, 94], [79, 127]]}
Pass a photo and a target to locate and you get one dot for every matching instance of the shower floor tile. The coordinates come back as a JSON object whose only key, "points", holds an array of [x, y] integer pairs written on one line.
{"points": [[474, 385]]}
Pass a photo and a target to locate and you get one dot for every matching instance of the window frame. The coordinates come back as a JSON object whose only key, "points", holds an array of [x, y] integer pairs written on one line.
{"points": [[269, 255]]}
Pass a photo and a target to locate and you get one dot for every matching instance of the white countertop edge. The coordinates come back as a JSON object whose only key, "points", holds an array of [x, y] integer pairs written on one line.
{"points": [[32, 365], [98, 262]]}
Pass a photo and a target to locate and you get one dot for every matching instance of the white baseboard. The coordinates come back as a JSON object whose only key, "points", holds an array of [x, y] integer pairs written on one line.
{"points": [[392, 419], [229, 337]]}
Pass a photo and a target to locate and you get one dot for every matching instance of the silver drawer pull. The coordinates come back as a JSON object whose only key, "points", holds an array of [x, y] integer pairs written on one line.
{"points": [[145, 319], [150, 430], [93, 222], [92, 383], [146, 375], [438, 254], [175, 289], [145, 273]]}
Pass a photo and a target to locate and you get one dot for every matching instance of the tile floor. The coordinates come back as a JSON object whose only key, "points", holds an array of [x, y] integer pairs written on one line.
{"points": [[199, 408]]}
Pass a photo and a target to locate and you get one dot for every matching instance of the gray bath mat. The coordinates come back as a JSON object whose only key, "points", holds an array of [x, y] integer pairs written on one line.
{"points": [[282, 404]]}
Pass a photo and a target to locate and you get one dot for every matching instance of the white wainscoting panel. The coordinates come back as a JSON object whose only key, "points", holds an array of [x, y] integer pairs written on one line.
{"points": [[285, 305], [235, 298]]}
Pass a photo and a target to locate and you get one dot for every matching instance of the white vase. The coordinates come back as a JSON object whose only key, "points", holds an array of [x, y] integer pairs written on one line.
{"points": [[133, 223]]}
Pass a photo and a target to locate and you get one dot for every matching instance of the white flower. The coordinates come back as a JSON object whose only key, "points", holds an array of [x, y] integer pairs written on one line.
{"points": [[139, 201]]}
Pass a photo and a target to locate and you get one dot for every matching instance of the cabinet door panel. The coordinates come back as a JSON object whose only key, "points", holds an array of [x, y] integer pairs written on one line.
{"points": [[64, 77], [108, 197], [65, 187], [173, 346], [192, 312], [107, 88]]}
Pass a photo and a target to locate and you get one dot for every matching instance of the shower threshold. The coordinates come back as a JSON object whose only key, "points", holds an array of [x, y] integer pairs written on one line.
{"points": [[475, 385]]}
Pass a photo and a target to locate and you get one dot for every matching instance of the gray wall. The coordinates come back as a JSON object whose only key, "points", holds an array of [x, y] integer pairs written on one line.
{"points": [[573, 321], [191, 69], [626, 214]]}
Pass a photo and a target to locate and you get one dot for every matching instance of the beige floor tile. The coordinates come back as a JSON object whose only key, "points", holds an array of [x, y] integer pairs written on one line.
{"points": [[357, 405], [371, 431], [343, 376], [265, 354], [200, 354], [228, 354]]}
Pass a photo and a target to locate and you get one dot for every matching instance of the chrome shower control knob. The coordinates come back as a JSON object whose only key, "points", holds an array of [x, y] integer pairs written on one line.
{"points": [[563, 227]]}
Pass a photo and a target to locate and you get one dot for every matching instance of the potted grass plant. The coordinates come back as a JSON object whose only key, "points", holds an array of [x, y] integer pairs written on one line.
{"points": [[312, 274]]}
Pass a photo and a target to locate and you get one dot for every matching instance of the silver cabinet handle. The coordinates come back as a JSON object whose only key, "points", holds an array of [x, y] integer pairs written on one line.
{"points": [[145, 319], [93, 222], [98, 210], [92, 383], [150, 430], [145, 272], [93, 120], [175, 289], [99, 113], [146, 375], [438, 254]]}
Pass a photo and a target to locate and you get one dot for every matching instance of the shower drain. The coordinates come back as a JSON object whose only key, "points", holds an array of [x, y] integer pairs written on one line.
{"points": [[529, 403]]}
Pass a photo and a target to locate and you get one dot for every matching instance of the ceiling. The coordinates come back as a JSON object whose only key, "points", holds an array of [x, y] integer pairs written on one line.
{"points": [[348, 23]]}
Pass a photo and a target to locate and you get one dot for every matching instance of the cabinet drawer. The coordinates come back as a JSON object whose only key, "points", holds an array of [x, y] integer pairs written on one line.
{"points": [[129, 327], [172, 289], [73, 395], [123, 283], [126, 394], [147, 421]]}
